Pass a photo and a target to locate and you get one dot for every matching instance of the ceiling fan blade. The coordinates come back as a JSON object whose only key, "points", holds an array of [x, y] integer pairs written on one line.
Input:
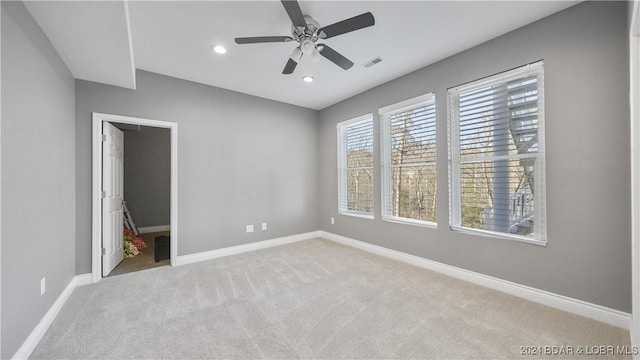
{"points": [[334, 56], [262, 39], [295, 14], [352, 24], [291, 65], [293, 61]]}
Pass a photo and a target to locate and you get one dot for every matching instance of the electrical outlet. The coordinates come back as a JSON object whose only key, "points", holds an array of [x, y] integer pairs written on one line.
{"points": [[43, 285], [249, 228], [264, 226], [333, 221]]}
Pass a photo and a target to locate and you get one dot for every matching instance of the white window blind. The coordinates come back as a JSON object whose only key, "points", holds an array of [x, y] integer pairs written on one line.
{"points": [[409, 160], [355, 166], [497, 155]]}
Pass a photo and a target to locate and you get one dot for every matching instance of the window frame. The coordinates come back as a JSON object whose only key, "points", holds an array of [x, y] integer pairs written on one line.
{"points": [[453, 127], [342, 166], [385, 150]]}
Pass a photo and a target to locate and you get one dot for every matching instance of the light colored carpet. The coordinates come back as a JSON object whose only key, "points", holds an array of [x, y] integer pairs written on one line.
{"points": [[311, 299], [145, 259]]}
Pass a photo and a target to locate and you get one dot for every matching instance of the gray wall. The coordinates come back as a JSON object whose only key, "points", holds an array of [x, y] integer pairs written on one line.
{"points": [[241, 160], [38, 166], [585, 52], [247, 160], [147, 175]]}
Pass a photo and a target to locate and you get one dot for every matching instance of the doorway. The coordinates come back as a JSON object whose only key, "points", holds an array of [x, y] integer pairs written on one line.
{"points": [[147, 181], [100, 245]]}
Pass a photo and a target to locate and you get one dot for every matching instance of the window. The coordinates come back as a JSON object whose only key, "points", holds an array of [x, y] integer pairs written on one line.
{"points": [[497, 155], [355, 166], [409, 161]]}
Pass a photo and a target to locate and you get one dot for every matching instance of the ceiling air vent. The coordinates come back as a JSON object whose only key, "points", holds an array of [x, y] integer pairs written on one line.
{"points": [[372, 62]]}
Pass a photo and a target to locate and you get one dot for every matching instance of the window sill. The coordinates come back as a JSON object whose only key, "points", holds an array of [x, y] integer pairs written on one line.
{"points": [[496, 235], [357, 214], [407, 221]]}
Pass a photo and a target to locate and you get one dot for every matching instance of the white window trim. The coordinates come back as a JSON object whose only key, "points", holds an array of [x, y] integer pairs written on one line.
{"points": [[406, 104], [454, 157], [409, 221], [342, 166], [532, 68], [357, 214], [385, 164]]}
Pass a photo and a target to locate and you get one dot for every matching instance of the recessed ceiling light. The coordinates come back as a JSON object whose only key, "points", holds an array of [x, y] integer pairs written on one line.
{"points": [[307, 79], [219, 49]]}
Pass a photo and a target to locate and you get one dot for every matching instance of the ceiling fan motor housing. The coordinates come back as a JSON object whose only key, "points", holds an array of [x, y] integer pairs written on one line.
{"points": [[309, 32]]}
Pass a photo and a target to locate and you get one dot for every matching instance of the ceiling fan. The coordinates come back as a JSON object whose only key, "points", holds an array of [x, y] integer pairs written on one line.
{"points": [[306, 31]]}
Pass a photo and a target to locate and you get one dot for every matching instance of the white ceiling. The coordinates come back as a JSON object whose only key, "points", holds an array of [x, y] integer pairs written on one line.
{"points": [[92, 38], [174, 38]]}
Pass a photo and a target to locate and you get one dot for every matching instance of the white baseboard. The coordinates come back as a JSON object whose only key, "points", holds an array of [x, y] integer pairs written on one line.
{"points": [[38, 332], [233, 250], [84, 279], [150, 229], [600, 313]]}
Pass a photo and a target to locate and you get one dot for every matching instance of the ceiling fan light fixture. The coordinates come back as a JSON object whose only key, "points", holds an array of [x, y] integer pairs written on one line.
{"points": [[308, 47], [307, 79], [315, 56], [219, 49], [296, 54]]}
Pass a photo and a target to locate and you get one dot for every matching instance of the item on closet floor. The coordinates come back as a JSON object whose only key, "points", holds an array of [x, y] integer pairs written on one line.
{"points": [[137, 241], [128, 220], [132, 244], [162, 248]]}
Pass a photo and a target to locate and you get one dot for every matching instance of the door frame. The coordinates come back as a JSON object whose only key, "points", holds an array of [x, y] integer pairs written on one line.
{"points": [[96, 190], [634, 102]]}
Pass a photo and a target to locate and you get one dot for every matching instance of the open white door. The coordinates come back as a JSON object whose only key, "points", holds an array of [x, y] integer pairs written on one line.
{"points": [[100, 214], [112, 195]]}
